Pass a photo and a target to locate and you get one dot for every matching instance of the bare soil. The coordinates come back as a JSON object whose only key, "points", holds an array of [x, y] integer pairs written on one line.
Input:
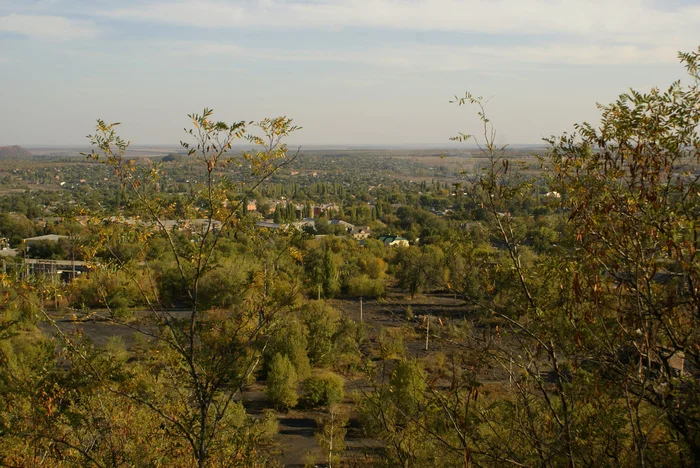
{"points": [[296, 436]]}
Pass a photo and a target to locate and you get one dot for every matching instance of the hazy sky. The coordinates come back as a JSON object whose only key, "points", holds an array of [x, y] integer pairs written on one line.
{"points": [[348, 71]]}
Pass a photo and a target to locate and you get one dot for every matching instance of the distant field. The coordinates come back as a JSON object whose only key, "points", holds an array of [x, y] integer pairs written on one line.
{"points": [[134, 151]]}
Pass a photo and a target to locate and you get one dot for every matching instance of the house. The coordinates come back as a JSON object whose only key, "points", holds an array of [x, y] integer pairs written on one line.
{"points": [[197, 226], [357, 232], [325, 208], [66, 270], [345, 225], [267, 224], [131, 221], [306, 222], [203, 225], [47, 238], [360, 232], [394, 241], [299, 209], [43, 222]]}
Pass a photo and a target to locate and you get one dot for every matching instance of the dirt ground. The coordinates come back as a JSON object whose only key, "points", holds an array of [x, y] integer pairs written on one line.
{"points": [[296, 437]]}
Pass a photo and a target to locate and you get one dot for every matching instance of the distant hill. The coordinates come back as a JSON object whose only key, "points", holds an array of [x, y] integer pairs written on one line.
{"points": [[14, 152]]}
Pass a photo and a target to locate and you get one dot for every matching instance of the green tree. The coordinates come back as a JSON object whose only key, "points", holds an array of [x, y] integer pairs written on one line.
{"points": [[591, 334], [282, 382], [321, 267], [331, 435], [322, 389], [321, 321], [633, 197], [209, 354], [290, 340], [419, 269], [16, 227]]}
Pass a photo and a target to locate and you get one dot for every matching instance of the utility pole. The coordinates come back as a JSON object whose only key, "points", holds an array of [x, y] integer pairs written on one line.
{"points": [[330, 445], [427, 332], [360, 309], [510, 372]]}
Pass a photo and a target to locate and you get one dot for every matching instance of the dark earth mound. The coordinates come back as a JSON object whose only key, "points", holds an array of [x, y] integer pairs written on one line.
{"points": [[14, 152]]}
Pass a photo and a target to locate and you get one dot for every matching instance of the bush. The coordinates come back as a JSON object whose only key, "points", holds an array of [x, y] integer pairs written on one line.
{"points": [[391, 343], [282, 383], [224, 286], [347, 355], [101, 288], [116, 349], [267, 425], [365, 286], [119, 305], [321, 320], [408, 314], [407, 385], [289, 340], [323, 389]]}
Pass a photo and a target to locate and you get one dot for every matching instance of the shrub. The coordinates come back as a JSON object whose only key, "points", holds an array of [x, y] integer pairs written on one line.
{"points": [[391, 343], [282, 383], [289, 340], [267, 426], [365, 286], [408, 314], [321, 321], [347, 356], [407, 385], [116, 349], [323, 389]]}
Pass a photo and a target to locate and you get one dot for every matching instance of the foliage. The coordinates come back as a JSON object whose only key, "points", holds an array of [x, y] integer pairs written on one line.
{"points": [[563, 297], [589, 326], [419, 269], [321, 320], [282, 382], [207, 355], [289, 340], [16, 227], [365, 286], [322, 389], [331, 435]]}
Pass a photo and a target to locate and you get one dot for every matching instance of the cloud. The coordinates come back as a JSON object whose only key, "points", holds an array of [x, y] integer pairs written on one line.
{"points": [[443, 58], [47, 27], [602, 21]]}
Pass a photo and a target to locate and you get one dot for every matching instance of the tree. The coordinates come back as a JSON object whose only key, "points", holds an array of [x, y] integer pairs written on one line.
{"points": [[331, 435], [205, 357], [322, 269], [419, 269], [282, 382], [16, 227], [632, 189], [290, 340], [321, 320], [323, 389], [590, 335]]}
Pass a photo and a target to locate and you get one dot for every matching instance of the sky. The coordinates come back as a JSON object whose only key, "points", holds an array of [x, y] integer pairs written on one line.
{"points": [[350, 72]]}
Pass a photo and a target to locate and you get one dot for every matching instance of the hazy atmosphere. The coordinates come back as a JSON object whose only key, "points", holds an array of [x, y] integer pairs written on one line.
{"points": [[350, 234], [358, 72]]}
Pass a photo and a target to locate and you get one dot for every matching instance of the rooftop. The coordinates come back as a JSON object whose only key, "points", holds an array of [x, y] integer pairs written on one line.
{"points": [[47, 237]]}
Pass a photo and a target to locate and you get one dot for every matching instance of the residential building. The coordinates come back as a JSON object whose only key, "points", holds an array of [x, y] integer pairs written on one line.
{"points": [[394, 241]]}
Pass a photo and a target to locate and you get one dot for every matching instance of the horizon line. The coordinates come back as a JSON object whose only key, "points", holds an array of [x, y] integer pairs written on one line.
{"points": [[314, 146]]}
